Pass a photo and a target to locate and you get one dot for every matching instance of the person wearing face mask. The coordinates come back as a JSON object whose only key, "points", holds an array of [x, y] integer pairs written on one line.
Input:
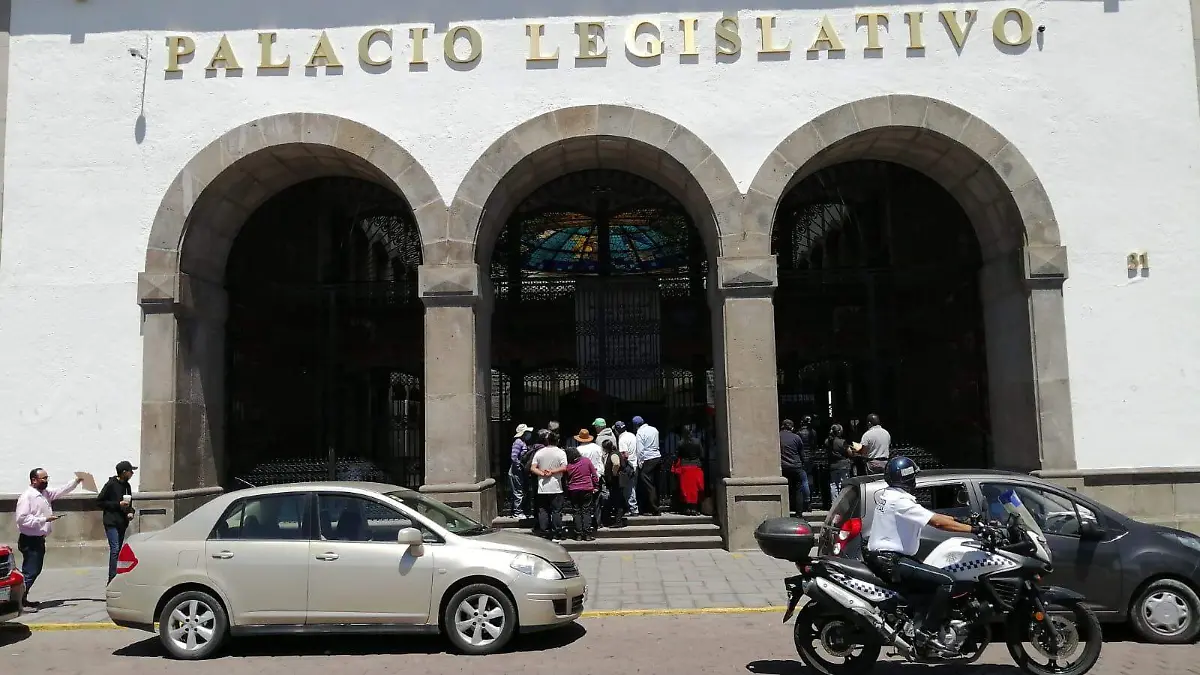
{"points": [[34, 518]]}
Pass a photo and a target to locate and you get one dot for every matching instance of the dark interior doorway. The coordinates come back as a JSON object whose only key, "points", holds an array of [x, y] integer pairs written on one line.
{"points": [[324, 339], [878, 310], [599, 279]]}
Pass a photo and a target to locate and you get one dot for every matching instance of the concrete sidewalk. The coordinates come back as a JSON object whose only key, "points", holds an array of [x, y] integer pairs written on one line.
{"points": [[617, 581]]}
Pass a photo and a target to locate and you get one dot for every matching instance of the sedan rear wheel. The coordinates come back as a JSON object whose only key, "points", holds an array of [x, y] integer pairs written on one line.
{"points": [[1166, 612], [479, 619], [192, 626]]}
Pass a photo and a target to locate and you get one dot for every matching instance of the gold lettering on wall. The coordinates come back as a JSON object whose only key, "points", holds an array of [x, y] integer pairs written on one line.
{"points": [[266, 60], [651, 49], [178, 46], [418, 36], [535, 32], [474, 42], [914, 29], [828, 37], [958, 33], [223, 57], [766, 26], [873, 20], [729, 42], [1001, 22], [688, 25], [364, 47], [323, 54], [590, 33]]}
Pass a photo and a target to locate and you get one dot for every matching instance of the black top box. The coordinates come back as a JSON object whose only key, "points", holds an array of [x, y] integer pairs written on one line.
{"points": [[790, 539]]}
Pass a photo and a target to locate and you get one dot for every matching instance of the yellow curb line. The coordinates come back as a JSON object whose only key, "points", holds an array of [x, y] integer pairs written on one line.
{"points": [[594, 614]]}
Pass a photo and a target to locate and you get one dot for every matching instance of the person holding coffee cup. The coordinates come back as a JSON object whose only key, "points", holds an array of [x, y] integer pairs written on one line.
{"points": [[116, 502]]}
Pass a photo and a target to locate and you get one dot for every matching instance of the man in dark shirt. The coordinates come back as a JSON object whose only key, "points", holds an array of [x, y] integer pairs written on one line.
{"points": [[792, 454], [116, 503]]}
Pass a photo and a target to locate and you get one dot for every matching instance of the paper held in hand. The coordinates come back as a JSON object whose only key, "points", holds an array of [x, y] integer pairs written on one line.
{"points": [[87, 481]]}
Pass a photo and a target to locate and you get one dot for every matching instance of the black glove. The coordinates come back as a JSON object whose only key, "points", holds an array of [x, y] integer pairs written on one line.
{"points": [[977, 529]]}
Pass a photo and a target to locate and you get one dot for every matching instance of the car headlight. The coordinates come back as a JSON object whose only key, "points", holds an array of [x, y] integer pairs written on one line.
{"points": [[527, 563]]}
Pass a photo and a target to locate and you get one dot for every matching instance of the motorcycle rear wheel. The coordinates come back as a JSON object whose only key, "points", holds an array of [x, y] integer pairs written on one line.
{"points": [[1081, 627], [815, 625]]}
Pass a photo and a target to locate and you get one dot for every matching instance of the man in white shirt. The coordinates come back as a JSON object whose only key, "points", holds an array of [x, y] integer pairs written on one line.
{"points": [[627, 446], [35, 518], [876, 444], [549, 463], [649, 465], [895, 537], [594, 451]]}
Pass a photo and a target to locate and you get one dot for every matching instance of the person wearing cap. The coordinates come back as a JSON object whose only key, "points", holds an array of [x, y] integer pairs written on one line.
{"points": [[649, 465], [116, 505], [35, 518], [593, 450], [516, 476], [627, 446]]}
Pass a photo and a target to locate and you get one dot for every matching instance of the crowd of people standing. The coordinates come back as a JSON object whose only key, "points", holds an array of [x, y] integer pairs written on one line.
{"points": [[608, 474], [847, 452]]}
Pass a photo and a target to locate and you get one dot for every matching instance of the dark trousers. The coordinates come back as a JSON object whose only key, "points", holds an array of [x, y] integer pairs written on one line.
{"points": [[33, 555], [584, 515], [916, 578], [837, 475], [649, 475], [798, 488], [549, 513], [516, 487], [116, 538], [617, 503]]}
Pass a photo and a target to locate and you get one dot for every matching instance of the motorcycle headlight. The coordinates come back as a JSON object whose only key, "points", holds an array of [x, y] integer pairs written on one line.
{"points": [[527, 563]]}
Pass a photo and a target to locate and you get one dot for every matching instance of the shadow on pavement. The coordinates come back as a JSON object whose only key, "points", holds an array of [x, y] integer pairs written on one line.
{"points": [[12, 633], [775, 667], [51, 604], [357, 645]]}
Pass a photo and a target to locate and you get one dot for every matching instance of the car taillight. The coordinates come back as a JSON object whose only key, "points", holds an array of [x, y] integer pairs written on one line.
{"points": [[126, 560], [849, 530]]}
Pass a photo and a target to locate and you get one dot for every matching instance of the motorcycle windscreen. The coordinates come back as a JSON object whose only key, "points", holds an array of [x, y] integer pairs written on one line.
{"points": [[1013, 505]]}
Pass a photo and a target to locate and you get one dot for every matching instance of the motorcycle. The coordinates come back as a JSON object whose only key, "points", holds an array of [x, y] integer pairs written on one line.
{"points": [[851, 614]]}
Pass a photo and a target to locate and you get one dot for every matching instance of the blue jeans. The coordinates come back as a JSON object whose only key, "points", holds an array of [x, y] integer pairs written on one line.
{"points": [[116, 538], [798, 492], [33, 554], [516, 487]]}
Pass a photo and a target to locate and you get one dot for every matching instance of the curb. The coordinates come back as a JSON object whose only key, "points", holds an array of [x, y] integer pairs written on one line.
{"points": [[593, 614]]}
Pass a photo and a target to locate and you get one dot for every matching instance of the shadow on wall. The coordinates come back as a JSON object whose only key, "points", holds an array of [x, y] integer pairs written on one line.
{"points": [[81, 19]]}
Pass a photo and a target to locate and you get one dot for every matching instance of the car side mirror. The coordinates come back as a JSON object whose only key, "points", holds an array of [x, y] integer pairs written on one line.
{"points": [[409, 536], [1090, 529]]}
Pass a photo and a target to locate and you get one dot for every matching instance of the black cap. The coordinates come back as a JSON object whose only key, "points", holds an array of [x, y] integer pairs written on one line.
{"points": [[124, 466]]}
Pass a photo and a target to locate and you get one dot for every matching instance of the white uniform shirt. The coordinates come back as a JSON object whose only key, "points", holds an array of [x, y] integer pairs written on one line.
{"points": [[897, 523], [550, 458]]}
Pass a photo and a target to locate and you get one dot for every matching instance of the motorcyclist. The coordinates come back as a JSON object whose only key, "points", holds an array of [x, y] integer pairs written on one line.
{"points": [[894, 539]]}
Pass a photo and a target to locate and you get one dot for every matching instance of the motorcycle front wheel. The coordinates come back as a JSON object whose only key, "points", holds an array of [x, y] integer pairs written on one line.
{"points": [[833, 645], [1079, 642]]}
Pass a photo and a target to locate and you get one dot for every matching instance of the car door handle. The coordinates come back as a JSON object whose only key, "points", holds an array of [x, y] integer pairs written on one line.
{"points": [[223, 555], [327, 556]]}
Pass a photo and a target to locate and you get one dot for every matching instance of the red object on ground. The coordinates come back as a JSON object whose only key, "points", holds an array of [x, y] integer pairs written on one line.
{"points": [[691, 482], [12, 586]]}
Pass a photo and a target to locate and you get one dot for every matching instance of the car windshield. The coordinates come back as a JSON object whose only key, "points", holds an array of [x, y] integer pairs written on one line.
{"points": [[452, 520]]}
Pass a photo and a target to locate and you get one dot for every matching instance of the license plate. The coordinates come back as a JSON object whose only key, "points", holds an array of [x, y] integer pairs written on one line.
{"points": [[4, 594]]}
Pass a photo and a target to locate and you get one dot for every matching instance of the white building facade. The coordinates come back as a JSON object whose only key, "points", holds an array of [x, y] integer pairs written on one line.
{"points": [[139, 138]]}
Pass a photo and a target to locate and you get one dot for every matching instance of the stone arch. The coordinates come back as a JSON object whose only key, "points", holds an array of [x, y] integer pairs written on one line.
{"points": [[593, 136], [182, 293], [1024, 261]]}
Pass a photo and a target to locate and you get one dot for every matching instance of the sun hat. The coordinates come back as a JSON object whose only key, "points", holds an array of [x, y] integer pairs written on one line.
{"points": [[584, 436]]}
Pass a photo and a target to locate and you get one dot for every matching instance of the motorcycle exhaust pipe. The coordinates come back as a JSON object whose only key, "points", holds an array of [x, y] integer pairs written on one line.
{"points": [[821, 588]]}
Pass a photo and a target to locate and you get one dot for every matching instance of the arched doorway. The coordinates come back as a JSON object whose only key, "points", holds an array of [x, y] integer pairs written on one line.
{"points": [[324, 338], [352, 179], [600, 310], [878, 310]]}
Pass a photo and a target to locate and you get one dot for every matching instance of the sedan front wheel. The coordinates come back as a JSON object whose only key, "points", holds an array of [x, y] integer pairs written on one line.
{"points": [[1166, 612], [480, 619]]}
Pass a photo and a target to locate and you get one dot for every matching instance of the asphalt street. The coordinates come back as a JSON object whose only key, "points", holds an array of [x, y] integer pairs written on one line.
{"points": [[692, 644]]}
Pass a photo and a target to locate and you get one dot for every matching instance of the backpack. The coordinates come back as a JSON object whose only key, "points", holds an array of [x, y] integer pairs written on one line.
{"points": [[527, 458]]}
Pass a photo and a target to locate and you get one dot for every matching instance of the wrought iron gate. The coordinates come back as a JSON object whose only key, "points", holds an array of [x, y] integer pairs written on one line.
{"points": [[878, 310], [599, 278], [324, 340]]}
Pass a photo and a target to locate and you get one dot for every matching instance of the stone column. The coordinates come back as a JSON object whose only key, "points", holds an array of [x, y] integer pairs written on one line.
{"points": [[752, 488], [1028, 393], [456, 466]]}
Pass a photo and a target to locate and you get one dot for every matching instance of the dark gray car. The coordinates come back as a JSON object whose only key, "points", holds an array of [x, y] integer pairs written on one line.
{"points": [[1128, 570]]}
